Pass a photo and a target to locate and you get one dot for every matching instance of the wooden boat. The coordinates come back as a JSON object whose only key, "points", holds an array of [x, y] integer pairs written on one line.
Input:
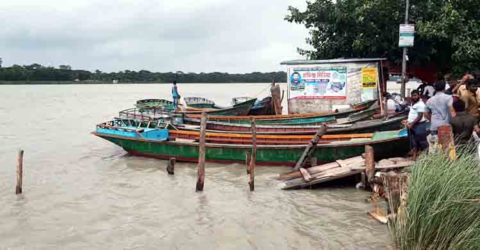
{"points": [[285, 119], [367, 126], [315, 120], [240, 109], [200, 102], [263, 107], [155, 103], [385, 144], [237, 100], [230, 138]]}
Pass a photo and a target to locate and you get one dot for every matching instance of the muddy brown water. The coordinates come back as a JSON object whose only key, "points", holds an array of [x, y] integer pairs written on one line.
{"points": [[81, 192]]}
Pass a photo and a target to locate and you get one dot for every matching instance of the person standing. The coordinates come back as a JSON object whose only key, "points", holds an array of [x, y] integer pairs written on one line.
{"points": [[416, 124], [469, 97], [452, 84], [439, 111], [175, 94], [463, 124], [276, 98], [428, 91]]}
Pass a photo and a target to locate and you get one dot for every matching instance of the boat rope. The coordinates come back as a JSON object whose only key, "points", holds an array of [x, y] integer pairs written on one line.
{"points": [[261, 91]]}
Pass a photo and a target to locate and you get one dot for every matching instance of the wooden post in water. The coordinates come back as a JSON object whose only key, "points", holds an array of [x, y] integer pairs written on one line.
{"points": [[253, 159], [171, 166], [201, 154], [248, 156], [18, 188], [369, 163]]}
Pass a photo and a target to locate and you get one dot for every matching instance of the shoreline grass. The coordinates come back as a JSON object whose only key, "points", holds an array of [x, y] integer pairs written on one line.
{"points": [[443, 205]]}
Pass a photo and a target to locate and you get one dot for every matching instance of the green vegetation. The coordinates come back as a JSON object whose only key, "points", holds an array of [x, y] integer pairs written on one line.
{"points": [[447, 32], [36, 74], [443, 205]]}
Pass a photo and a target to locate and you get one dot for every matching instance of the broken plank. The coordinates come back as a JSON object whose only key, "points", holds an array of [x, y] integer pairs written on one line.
{"points": [[306, 175], [300, 183]]}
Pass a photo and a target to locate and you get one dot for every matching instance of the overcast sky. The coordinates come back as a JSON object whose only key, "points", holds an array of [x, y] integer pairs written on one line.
{"points": [[156, 35]]}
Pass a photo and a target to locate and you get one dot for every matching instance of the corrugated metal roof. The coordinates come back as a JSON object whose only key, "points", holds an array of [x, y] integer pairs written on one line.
{"points": [[339, 60]]}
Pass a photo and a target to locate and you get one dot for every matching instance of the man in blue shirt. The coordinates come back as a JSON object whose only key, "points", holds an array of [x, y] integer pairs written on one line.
{"points": [[439, 111], [175, 94]]}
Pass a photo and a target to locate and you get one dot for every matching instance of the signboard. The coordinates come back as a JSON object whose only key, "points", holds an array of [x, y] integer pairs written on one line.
{"points": [[406, 36], [318, 82], [369, 77]]}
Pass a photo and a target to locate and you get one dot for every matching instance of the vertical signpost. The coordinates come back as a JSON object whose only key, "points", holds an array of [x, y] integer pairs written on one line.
{"points": [[406, 37]]}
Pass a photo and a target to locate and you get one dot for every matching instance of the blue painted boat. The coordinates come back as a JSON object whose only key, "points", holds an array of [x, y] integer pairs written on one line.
{"points": [[119, 128]]}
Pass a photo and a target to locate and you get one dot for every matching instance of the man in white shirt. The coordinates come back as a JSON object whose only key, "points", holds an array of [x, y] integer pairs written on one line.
{"points": [[428, 91], [416, 124]]}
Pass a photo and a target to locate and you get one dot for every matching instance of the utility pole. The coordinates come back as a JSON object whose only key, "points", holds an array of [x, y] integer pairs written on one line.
{"points": [[404, 57]]}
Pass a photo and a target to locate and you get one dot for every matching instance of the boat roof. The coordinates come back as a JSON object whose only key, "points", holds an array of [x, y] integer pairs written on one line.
{"points": [[337, 60]]}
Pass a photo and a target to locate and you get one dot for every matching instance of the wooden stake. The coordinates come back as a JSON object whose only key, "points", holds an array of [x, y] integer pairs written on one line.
{"points": [[18, 188], [310, 148], [201, 154], [248, 156], [253, 159], [171, 166], [369, 163]]}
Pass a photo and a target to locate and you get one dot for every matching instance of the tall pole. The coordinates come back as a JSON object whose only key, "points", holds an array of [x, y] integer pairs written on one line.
{"points": [[404, 57]]}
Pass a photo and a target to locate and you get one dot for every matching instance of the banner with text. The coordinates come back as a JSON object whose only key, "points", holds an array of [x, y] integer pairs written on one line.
{"points": [[318, 82]]}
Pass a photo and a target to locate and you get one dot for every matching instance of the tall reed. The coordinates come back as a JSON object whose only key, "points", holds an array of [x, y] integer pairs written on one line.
{"points": [[443, 205]]}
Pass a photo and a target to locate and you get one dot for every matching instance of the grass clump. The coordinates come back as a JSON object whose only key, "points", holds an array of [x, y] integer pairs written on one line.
{"points": [[443, 205]]}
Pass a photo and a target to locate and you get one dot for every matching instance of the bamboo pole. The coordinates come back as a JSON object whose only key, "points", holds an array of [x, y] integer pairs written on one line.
{"points": [[18, 188], [201, 154], [253, 159], [171, 166]]}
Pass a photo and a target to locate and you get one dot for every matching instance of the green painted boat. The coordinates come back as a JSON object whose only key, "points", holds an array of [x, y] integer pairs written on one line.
{"points": [[386, 144]]}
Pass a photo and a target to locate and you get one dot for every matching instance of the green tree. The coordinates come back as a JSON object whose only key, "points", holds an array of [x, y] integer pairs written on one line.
{"points": [[447, 32]]}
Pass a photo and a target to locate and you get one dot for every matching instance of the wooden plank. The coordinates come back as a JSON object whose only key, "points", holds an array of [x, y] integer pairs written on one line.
{"points": [[385, 167], [306, 175], [300, 183], [378, 217], [311, 147], [318, 169]]}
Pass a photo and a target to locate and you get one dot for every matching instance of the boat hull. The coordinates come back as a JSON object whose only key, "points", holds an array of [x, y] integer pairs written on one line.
{"points": [[269, 155], [240, 109], [312, 118], [359, 127]]}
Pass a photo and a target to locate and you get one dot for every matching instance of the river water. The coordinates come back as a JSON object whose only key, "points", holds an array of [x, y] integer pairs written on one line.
{"points": [[81, 192]]}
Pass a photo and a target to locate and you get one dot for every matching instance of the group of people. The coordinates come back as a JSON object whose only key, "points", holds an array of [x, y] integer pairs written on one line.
{"points": [[433, 106]]}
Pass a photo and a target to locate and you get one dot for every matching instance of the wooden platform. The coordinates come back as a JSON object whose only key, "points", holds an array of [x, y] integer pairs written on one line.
{"points": [[339, 169]]}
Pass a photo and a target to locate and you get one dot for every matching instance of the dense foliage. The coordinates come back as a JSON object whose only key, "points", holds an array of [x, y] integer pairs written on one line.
{"points": [[443, 205], [37, 72], [447, 32]]}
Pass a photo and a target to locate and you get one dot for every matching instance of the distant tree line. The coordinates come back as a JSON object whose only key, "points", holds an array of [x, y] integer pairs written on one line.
{"points": [[64, 73]]}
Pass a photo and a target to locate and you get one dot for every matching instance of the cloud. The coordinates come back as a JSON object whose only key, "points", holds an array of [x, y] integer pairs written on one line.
{"points": [[191, 36]]}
